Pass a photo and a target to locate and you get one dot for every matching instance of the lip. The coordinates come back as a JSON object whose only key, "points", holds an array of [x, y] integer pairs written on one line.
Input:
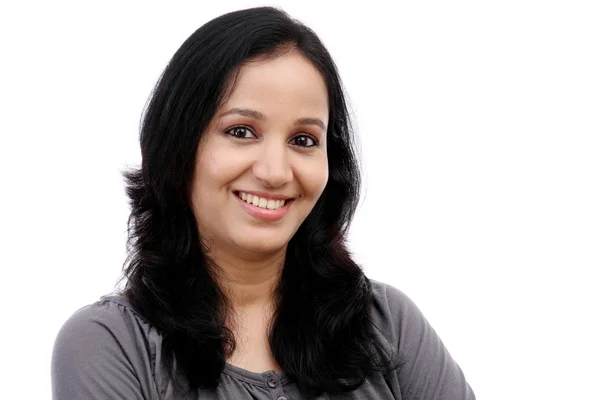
{"points": [[264, 213]]}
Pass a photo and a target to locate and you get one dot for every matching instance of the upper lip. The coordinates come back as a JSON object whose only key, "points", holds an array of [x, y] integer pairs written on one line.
{"points": [[268, 196]]}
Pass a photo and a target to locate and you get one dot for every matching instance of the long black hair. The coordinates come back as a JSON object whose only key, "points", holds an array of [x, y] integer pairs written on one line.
{"points": [[321, 334]]}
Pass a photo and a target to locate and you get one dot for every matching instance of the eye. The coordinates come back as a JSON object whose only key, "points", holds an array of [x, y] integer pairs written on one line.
{"points": [[240, 132], [304, 141]]}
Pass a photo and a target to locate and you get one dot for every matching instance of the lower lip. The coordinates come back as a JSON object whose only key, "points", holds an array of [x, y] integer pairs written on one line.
{"points": [[264, 213]]}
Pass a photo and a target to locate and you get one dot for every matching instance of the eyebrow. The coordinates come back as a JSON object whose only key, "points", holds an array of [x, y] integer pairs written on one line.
{"points": [[246, 112]]}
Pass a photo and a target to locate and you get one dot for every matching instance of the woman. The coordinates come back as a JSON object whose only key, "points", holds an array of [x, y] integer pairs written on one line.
{"points": [[239, 282]]}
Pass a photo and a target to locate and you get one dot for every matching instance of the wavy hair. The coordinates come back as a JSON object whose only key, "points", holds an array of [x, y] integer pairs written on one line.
{"points": [[321, 334]]}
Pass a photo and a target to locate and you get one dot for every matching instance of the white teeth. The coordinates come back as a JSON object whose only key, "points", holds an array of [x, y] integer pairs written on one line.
{"points": [[261, 201]]}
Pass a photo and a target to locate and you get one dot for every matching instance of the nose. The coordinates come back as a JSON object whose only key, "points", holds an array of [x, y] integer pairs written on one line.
{"points": [[272, 166]]}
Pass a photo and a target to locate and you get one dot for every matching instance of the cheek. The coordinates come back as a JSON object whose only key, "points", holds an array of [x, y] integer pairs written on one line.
{"points": [[313, 178], [212, 176], [215, 169], [207, 175]]}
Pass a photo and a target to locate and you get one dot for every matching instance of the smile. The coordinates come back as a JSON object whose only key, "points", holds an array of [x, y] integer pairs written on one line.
{"points": [[268, 209], [261, 202]]}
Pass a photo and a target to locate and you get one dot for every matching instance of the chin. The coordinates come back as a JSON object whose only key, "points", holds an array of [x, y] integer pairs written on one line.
{"points": [[261, 246]]}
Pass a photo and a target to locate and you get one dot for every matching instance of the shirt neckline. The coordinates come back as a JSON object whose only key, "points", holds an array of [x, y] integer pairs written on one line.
{"points": [[259, 378]]}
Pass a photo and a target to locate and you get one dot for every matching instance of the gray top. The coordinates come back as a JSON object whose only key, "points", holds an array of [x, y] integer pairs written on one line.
{"points": [[107, 350]]}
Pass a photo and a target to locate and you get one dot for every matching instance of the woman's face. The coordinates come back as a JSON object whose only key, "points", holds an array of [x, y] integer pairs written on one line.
{"points": [[262, 163]]}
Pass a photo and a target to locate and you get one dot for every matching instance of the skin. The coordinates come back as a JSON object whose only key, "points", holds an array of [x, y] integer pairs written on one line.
{"points": [[269, 136]]}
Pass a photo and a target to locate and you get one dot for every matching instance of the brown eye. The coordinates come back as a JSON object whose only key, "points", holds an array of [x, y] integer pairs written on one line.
{"points": [[304, 141], [240, 132]]}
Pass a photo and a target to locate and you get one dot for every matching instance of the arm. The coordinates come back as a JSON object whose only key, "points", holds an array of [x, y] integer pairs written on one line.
{"points": [[428, 370], [91, 359]]}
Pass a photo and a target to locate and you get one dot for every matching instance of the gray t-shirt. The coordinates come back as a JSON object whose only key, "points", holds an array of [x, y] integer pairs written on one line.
{"points": [[108, 351]]}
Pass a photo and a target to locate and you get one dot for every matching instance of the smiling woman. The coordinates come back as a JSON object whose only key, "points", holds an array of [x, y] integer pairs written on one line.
{"points": [[239, 281]]}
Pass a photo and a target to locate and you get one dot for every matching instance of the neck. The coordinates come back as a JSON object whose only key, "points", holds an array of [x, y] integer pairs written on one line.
{"points": [[249, 283]]}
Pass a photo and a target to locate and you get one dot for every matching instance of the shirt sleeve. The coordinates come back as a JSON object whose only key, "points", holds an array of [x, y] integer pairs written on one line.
{"points": [[427, 371], [92, 358]]}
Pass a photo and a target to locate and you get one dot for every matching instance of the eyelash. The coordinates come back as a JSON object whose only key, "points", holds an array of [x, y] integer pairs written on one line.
{"points": [[230, 130]]}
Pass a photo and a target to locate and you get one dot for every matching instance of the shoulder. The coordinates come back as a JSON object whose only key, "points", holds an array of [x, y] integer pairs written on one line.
{"points": [[386, 293], [393, 309], [400, 320], [111, 316], [110, 311], [105, 346], [427, 371]]}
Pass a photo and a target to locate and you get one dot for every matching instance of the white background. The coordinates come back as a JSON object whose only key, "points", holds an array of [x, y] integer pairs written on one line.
{"points": [[480, 131]]}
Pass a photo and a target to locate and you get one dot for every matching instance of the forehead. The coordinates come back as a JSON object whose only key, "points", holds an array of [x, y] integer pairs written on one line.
{"points": [[287, 83]]}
